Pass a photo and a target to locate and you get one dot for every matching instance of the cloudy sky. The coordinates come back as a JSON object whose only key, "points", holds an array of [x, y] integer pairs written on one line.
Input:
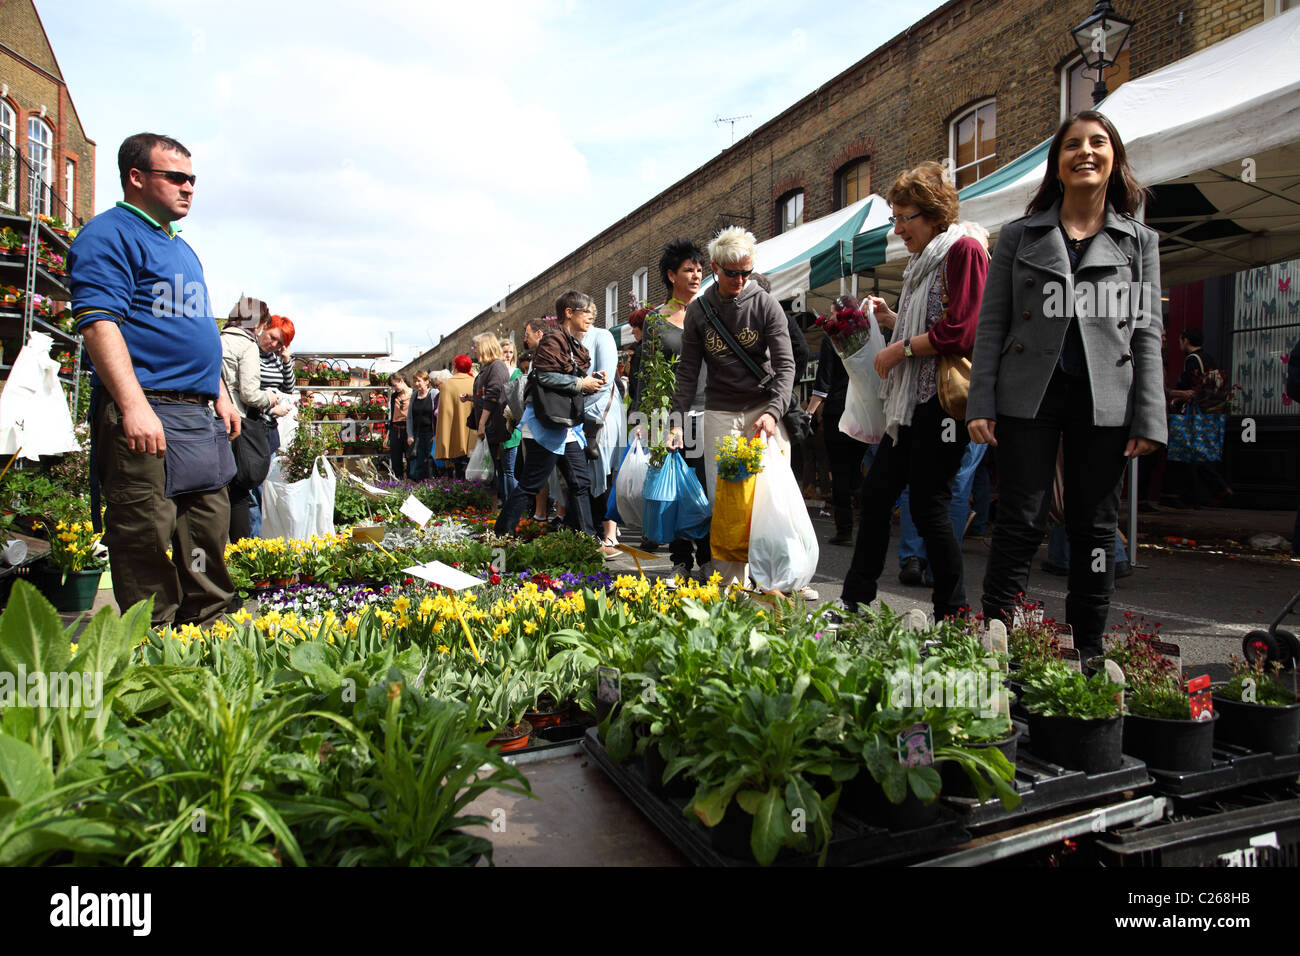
{"points": [[394, 166]]}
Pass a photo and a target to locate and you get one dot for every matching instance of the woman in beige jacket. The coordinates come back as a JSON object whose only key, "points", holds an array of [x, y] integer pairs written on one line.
{"points": [[452, 444]]}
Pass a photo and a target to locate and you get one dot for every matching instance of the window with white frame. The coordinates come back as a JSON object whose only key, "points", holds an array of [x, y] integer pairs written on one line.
{"points": [[789, 211], [8, 156], [40, 153], [972, 143], [641, 284], [69, 191], [1077, 81], [611, 305]]}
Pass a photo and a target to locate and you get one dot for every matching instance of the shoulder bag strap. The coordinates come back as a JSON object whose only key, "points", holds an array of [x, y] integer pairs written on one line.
{"points": [[764, 380]]}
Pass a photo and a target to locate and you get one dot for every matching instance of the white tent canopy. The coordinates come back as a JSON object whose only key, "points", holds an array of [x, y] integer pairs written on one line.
{"points": [[1218, 135]]}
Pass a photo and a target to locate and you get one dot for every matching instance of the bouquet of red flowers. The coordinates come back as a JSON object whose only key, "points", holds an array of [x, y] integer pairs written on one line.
{"points": [[849, 330]]}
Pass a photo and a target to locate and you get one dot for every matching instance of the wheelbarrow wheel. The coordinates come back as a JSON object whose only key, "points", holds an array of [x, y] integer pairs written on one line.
{"points": [[1261, 647], [1290, 647]]}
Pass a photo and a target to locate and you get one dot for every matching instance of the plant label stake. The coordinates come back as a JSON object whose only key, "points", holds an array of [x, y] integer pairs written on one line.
{"points": [[435, 572], [1065, 636], [416, 510], [1071, 657], [1171, 651], [607, 685], [916, 746], [1200, 698], [997, 639], [635, 554]]}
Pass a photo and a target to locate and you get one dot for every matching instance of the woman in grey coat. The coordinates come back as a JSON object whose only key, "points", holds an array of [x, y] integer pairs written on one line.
{"points": [[1068, 348]]}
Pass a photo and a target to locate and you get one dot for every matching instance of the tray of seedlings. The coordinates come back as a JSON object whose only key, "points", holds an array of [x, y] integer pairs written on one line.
{"points": [[918, 831]]}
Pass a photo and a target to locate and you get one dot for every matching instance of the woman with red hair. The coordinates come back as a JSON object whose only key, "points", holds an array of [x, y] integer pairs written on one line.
{"points": [[452, 445]]}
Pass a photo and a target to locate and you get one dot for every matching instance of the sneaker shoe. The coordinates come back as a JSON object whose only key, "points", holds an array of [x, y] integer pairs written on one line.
{"points": [[681, 570], [1056, 569], [808, 594], [1123, 569], [912, 573], [843, 539]]}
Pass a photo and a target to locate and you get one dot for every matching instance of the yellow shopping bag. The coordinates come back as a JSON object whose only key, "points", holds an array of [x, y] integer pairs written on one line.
{"points": [[733, 504]]}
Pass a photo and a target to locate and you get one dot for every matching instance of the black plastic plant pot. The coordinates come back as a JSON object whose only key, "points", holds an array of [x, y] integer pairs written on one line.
{"points": [[1165, 744], [955, 781], [731, 836], [1093, 746], [1258, 727], [865, 799], [654, 765]]}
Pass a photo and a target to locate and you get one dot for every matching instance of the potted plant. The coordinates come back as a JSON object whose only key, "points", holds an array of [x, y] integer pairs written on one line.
{"points": [[1160, 730], [1075, 721], [73, 581], [1256, 710]]}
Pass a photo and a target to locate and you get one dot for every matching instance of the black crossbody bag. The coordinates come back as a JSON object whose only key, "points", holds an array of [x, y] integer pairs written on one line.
{"points": [[556, 409], [798, 423]]}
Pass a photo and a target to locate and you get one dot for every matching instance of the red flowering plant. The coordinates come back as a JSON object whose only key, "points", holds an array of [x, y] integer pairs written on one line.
{"points": [[1130, 645], [1032, 638], [848, 329]]}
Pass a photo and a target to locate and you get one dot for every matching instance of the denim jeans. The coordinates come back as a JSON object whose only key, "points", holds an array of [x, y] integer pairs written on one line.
{"points": [[910, 544], [1058, 547], [505, 473], [418, 461], [255, 513], [1094, 465], [922, 459], [538, 465]]}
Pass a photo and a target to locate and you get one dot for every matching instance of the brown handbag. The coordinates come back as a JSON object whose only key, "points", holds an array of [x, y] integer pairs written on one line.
{"points": [[953, 378]]}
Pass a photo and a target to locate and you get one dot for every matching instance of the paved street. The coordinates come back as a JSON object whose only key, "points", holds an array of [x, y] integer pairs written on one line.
{"points": [[1205, 599]]}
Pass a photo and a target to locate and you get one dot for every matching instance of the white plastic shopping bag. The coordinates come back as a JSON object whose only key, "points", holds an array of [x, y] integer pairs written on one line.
{"points": [[783, 551], [864, 410], [628, 484], [299, 509], [34, 412], [480, 464]]}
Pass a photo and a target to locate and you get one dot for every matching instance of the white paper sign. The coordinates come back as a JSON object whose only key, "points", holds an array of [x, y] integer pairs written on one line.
{"points": [[369, 489], [435, 572], [414, 509]]}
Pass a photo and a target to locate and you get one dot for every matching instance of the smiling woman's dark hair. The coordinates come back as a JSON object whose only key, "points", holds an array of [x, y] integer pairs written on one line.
{"points": [[1122, 191]]}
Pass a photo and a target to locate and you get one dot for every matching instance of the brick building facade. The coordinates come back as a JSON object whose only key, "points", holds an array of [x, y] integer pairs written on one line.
{"points": [[34, 99], [892, 109]]}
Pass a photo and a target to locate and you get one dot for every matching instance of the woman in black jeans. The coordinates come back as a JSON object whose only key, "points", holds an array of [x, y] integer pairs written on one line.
{"points": [[1068, 350], [419, 427], [923, 444]]}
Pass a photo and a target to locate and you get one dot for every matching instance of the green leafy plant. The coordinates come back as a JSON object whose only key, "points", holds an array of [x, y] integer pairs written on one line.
{"points": [[1257, 678], [1164, 698], [1057, 691], [658, 385]]}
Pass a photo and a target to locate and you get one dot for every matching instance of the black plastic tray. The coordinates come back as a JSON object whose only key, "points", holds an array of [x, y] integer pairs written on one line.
{"points": [[853, 843], [1234, 768], [1045, 787]]}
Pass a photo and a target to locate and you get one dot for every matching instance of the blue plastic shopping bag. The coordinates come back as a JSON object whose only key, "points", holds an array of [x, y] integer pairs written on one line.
{"points": [[675, 503], [694, 513]]}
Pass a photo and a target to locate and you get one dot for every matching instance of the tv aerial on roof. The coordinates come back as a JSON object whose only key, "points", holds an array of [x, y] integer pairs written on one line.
{"points": [[718, 121]]}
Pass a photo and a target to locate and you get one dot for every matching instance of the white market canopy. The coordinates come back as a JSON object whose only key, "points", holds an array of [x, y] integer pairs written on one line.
{"points": [[1217, 135]]}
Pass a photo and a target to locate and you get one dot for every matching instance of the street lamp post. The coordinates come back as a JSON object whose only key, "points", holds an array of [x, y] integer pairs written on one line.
{"points": [[1100, 39]]}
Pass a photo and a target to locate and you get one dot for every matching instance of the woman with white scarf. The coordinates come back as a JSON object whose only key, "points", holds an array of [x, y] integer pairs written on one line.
{"points": [[923, 444]]}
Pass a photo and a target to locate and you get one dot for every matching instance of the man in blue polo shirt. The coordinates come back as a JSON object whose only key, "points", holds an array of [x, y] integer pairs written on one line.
{"points": [[161, 456]]}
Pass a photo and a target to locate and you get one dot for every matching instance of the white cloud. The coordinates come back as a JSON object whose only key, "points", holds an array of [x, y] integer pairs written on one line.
{"points": [[396, 165]]}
